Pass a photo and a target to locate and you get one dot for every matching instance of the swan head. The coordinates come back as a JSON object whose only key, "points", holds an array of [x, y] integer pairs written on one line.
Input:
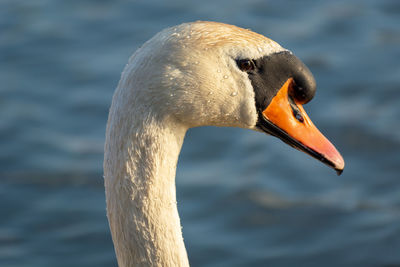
{"points": [[208, 73]]}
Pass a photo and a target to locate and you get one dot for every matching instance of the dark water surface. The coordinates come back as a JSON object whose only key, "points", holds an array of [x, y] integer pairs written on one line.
{"points": [[245, 199]]}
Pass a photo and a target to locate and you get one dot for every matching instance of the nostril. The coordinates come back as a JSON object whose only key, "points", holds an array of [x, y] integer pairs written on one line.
{"points": [[295, 110], [298, 116]]}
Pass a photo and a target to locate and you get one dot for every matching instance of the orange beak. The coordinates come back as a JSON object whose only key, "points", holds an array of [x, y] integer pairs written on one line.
{"points": [[286, 119]]}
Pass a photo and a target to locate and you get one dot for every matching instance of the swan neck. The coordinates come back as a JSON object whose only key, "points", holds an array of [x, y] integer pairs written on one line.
{"points": [[140, 167]]}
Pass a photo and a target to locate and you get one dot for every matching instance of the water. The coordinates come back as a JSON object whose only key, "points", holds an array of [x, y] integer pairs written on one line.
{"points": [[245, 199]]}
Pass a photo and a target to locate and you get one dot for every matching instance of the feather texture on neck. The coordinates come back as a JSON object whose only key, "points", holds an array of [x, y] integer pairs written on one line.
{"points": [[140, 188]]}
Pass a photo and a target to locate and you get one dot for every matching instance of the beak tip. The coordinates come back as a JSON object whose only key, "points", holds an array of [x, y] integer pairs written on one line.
{"points": [[339, 171], [339, 165]]}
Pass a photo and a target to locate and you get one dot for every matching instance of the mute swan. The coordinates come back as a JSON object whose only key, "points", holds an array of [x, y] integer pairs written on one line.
{"points": [[194, 74]]}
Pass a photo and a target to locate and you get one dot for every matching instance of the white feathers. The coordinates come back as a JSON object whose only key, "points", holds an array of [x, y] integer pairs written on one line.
{"points": [[183, 77]]}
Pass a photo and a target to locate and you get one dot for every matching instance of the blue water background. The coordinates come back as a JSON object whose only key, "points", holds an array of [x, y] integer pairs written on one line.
{"points": [[245, 199]]}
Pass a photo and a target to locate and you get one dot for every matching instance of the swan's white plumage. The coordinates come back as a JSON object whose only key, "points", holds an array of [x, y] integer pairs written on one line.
{"points": [[185, 76]]}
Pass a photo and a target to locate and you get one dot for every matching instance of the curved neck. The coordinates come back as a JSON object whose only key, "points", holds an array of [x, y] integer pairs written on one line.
{"points": [[139, 168]]}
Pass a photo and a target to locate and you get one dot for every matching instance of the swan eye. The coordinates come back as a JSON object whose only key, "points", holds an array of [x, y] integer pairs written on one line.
{"points": [[245, 64]]}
